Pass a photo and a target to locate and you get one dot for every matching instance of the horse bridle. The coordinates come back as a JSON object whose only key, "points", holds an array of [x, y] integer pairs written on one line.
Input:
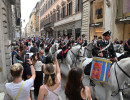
{"points": [[119, 89], [76, 55]]}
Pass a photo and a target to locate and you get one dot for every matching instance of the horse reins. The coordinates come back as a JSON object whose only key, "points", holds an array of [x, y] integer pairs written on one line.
{"points": [[119, 89]]}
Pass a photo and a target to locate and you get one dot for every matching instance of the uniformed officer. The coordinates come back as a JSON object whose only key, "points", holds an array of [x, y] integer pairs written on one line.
{"points": [[104, 48], [127, 47], [127, 50]]}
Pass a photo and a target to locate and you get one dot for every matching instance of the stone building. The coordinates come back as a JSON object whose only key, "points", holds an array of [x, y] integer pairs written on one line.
{"points": [[61, 17], [37, 18], [9, 21], [103, 15], [32, 23]]}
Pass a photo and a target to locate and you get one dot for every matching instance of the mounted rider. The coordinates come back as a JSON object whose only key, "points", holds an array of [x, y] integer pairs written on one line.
{"points": [[127, 48], [104, 49]]}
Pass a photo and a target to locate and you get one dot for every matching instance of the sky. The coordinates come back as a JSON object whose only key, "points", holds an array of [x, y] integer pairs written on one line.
{"points": [[26, 9]]}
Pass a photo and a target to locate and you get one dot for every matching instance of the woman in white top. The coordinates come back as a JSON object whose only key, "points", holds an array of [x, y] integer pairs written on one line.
{"points": [[52, 82], [12, 89], [38, 66]]}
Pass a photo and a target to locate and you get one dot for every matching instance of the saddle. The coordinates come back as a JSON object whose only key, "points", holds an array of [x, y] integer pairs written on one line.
{"points": [[62, 54], [48, 48], [41, 45]]}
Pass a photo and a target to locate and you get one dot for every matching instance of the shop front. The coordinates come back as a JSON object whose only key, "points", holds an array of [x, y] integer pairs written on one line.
{"points": [[96, 21]]}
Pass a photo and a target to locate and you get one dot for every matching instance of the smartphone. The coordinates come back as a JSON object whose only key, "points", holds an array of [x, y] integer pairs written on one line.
{"points": [[38, 55], [26, 57], [53, 58]]}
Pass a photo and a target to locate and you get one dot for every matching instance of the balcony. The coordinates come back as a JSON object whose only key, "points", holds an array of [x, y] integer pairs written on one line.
{"points": [[49, 25]]}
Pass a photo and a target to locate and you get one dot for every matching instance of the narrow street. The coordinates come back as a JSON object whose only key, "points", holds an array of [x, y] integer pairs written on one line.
{"points": [[91, 34]]}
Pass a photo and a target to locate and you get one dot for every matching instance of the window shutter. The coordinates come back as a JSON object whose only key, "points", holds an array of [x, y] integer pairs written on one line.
{"points": [[76, 7], [67, 9], [71, 8]]}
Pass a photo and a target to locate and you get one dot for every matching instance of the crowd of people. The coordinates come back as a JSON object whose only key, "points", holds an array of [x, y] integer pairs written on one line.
{"points": [[30, 65]]}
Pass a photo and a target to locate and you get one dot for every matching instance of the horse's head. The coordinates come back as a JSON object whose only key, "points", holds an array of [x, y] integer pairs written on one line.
{"points": [[78, 51], [54, 48], [90, 45], [88, 50]]}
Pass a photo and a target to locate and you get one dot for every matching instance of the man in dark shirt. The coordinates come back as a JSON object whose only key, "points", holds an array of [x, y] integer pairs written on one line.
{"points": [[34, 49]]}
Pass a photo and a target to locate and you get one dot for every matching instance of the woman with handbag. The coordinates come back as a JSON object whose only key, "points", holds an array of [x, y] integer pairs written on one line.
{"points": [[74, 88], [19, 89], [52, 82]]}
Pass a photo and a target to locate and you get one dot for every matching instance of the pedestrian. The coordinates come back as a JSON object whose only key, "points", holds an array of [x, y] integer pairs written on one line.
{"points": [[42, 57], [38, 66], [19, 89], [95, 39], [14, 52], [29, 46], [52, 82], [34, 49], [74, 88]]}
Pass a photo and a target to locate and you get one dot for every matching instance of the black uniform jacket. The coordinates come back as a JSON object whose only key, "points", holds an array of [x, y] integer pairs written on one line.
{"points": [[127, 46], [107, 53]]}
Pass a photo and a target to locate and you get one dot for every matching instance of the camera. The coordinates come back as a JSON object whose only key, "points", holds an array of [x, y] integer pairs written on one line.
{"points": [[26, 57]]}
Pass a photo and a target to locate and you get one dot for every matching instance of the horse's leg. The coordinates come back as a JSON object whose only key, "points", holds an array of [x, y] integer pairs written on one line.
{"points": [[94, 91], [107, 93], [121, 96], [68, 66]]}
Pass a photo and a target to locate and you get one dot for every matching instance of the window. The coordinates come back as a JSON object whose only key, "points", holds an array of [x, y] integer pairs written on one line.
{"points": [[58, 15], [119, 9], [46, 6], [63, 14], [78, 5], [69, 8], [51, 2]]}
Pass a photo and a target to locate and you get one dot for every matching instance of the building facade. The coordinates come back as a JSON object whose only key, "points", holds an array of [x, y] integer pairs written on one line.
{"points": [[102, 15], [61, 17], [37, 17], [32, 23], [8, 27]]}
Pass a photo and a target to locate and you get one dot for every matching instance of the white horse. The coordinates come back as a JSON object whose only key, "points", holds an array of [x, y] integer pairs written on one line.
{"points": [[53, 48], [118, 48], [73, 56], [88, 50], [116, 79]]}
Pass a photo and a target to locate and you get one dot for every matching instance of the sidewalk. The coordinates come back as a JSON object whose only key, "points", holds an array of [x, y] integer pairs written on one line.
{"points": [[1, 95]]}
